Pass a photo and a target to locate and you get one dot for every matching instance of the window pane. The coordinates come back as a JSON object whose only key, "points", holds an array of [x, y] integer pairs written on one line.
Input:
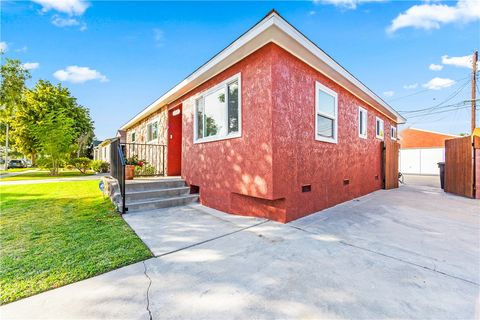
{"points": [[149, 132], [215, 113], [326, 103], [233, 107], [200, 112], [154, 130], [361, 122], [379, 128], [325, 126]]}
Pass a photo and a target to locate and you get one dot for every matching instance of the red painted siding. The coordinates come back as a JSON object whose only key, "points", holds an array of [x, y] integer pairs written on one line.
{"points": [[301, 159], [235, 175], [262, 172]]}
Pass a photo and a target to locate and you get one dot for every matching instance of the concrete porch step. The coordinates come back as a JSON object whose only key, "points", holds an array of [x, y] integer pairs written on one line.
{"points": [[154, 184], [131, 196], [151, 204]]}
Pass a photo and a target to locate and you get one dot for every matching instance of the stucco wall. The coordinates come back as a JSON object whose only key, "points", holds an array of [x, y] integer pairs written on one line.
{"points": [[235, 175], [298, 159], [262, 172]]}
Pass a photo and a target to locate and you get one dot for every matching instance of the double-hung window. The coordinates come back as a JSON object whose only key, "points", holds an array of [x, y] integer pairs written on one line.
{"points": [[379, 128], [152, 131], [326, 114], [362, 122], [218, 111], [393, 133]]}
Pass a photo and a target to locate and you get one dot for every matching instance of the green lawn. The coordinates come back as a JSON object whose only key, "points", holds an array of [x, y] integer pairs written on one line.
{"points": [[38, 175], [53, 234]]}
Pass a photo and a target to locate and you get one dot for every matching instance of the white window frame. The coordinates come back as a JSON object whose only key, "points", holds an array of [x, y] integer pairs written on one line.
{"points": [[223, 84], [146, 127], [134, 132], [319, 86], [360, 110], [377, 119], [392, 136]]}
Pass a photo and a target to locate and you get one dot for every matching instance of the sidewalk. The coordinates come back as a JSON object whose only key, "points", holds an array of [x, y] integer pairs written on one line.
{"points": [[13, 174], [52, 180]]}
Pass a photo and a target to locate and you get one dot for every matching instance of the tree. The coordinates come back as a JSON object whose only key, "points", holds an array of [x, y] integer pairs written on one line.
{"points": [[42, 101], [12, 87], [55, 134]]}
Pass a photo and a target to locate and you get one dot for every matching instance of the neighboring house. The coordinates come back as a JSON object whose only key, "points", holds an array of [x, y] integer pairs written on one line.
{"points": [[102, 151], [422, 150], [271, 127]]}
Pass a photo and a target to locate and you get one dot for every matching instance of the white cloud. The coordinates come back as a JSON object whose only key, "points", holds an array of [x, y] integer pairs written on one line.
{"points": [[3, 46], [22, 49], [70, 7], [68, 22], [435, 67], [78, 74], [432, 15], [31, 65], [158, 36], [347, 4], [312, 13], [410, 86], [462, 62], [389, 93], [64, 22], [439, 83]]}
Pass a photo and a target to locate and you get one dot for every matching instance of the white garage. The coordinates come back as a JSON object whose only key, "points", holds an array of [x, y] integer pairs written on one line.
{"points": [[421, 160]]}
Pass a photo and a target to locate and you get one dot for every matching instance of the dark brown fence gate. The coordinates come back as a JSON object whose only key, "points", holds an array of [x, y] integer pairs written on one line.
{"points": [[390, 164], [459, 174]]}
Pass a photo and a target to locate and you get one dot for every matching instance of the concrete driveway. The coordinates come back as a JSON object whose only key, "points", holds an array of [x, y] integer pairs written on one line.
{"points": [[406, 253]]}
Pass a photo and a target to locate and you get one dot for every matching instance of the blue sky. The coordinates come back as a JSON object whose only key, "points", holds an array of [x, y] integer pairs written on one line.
{"points": [[117, 57]]}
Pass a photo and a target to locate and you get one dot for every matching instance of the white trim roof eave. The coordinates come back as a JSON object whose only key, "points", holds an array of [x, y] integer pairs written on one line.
{"points": [[273, 28]]}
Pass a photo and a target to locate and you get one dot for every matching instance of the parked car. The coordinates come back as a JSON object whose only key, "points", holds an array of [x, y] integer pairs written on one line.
{"points": [[16, 164]]}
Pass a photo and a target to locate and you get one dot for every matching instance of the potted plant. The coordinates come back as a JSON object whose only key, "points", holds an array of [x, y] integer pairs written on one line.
{"points": [[130, 165]]}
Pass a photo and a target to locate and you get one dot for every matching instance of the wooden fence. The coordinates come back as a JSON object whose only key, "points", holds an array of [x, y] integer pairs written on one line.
{"points": [[459, 169], [390, 164]]}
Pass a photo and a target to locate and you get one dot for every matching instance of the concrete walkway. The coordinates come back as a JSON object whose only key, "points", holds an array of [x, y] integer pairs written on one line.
{"points": [[13, 174], [52, 180], [406, 253]]}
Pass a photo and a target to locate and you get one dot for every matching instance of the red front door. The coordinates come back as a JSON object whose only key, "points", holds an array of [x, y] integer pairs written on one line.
{"points": [[174, 161]]}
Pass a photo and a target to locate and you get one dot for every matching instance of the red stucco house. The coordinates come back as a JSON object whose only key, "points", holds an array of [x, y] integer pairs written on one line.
{"points": [[271, 127]]}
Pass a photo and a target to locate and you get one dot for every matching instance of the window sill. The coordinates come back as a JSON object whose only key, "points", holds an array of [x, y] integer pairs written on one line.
{"points": [[212, 139], [362, 136], [324, 139], [380, 138]]}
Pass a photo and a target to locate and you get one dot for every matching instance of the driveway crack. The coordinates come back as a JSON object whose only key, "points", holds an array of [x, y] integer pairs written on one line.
{"points": [[148, 289]]}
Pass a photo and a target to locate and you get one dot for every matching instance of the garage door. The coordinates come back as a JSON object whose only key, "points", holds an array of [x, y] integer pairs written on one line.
{"points": [[421, 161]]}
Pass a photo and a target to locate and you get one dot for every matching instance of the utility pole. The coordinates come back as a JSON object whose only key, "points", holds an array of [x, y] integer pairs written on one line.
{"points": [[474, 83]]}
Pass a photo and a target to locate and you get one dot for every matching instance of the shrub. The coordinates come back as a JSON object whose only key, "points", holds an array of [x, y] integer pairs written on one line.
{"points": [[100, 166], [146, 170], [82, 164]]}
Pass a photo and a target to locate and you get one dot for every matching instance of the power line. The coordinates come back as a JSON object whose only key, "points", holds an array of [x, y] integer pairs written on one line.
{"points": [[421, 91], [450, 97], [440, 111]]}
